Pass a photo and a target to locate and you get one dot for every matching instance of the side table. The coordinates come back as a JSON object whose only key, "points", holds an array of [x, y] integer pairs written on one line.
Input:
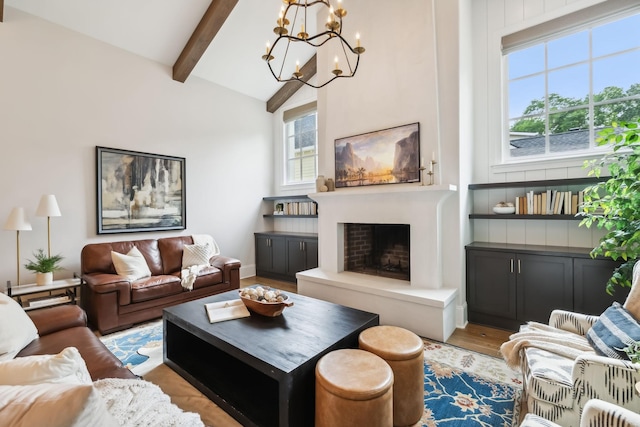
{"points": [[64, 291]]}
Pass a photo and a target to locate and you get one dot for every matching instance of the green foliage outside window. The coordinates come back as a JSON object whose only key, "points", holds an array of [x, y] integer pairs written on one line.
{"points": [[614, 204]]}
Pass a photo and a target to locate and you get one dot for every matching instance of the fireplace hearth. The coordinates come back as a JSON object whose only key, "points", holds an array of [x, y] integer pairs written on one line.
{"points": [[378, 250]]}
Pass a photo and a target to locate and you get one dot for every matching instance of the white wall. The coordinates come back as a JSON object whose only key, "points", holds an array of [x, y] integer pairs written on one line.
{"points": [[63, 93], [492, 20]]}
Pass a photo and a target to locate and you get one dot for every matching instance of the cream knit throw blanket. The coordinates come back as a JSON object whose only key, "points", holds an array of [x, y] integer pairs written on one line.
{"points": [[544, 337], [139, 403], [189, 274]]}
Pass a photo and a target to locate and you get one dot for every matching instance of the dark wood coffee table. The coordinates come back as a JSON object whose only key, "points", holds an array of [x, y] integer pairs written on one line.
{"points": [[261, 370]]}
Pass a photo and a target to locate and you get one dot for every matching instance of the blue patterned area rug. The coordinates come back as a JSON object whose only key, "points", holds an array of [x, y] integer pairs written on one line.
{"points": [[461, 387]]}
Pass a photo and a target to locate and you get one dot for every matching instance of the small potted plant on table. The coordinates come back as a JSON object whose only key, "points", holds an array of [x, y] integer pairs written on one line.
{"points": [[44, 266]]}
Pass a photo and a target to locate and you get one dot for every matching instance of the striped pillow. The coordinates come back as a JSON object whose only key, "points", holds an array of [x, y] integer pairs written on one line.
{"points": [[615, 329]]}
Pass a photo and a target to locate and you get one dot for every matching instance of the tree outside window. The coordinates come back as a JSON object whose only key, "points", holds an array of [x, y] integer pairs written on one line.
{"points": [[563, 90]]}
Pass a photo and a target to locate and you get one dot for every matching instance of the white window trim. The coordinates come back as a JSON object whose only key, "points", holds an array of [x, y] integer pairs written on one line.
{"points": [[501, 161], [298, 186]]}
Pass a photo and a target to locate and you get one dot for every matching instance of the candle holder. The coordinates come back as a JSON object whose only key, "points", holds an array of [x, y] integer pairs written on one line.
{"points": [[431, 173], [422, 169]]}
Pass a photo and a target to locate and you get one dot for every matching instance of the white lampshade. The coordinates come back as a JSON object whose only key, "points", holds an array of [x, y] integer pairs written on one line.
{"points": [[17, 220], [48, 206]]}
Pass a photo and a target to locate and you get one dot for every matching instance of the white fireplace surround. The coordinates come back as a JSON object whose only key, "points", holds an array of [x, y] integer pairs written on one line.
{"points": [[422, 304]]}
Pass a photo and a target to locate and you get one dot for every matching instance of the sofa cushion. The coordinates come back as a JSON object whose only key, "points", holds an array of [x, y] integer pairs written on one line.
{"points": [[133, 266], [155, 287], [16, 328], [615, 329], [195, 255], [549, 376], [53, 405], [66, 367]]}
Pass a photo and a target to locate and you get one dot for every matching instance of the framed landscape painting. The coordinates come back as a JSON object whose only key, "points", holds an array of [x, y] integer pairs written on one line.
{"points": [[388, 156], [139, 191]]}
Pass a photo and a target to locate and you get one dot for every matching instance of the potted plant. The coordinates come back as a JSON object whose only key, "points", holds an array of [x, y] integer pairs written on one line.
{"points": [[614, 203], [44, 266]]}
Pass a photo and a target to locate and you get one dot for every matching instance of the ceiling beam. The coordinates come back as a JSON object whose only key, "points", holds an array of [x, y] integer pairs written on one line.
{"points": [[210, 24], [308, 70], [1, 10]]}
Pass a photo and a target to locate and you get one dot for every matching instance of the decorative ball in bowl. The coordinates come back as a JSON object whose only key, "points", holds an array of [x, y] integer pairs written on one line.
{"points": [[504, 208], [264, 300]]}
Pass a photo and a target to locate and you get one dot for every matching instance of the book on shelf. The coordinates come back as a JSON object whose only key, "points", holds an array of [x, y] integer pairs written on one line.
{"points": [[295, 208], [226, 310], [549, 202], [48, 300]]}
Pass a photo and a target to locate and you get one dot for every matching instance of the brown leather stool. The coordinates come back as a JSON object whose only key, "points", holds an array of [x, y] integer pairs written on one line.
{"points": [[353, 388], [403, 351]]}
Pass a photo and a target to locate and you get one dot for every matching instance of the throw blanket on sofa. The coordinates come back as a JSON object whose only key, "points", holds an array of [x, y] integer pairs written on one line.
{"points": [[189, 274], [544, 337], [139, 403]]}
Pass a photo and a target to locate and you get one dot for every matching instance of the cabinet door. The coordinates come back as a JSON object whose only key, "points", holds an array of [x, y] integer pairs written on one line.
{"points": [[544, 283], [589, 285], [311, 252], [263, 254], [279, 254], [296, 257], [270, 254], [491, 286]]}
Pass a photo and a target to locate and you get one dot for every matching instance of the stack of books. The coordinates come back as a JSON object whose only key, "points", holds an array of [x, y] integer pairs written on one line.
{"points": [[549, 202]]}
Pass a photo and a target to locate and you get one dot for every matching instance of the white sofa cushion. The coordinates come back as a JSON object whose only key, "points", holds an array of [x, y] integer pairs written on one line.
{"points": [[133, 266], [53, 405], [16, 328], [66, 367]]}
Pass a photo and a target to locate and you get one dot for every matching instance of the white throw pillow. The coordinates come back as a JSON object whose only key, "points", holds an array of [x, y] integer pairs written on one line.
{"points": [[53, 405], [16, 328], [133, 266], [195, 255], [66, 367]]}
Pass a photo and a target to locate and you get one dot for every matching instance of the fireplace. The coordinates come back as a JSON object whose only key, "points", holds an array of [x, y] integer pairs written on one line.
{"points": [[377, 250]]}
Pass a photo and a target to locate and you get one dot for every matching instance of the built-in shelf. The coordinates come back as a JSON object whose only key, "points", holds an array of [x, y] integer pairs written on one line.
{"points": [[537, 216], [289, 216], [296, 198], [548, 183], [540, 183]]}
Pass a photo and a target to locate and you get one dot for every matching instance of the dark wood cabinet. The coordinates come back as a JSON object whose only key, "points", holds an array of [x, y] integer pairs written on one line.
{"points": [[508, 285], [280, 255], [270, 254], [302, 254], [589, 293]]}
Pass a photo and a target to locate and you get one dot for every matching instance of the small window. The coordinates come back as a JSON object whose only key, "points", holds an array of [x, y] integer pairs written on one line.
{"points": [[563, 89], [301, 148]]}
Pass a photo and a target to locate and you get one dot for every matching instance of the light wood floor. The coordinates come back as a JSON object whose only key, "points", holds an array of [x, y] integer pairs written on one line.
{"points": [[482, 339]]}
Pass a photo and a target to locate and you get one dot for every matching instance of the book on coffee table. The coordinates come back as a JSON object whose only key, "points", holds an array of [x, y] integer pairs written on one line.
{"points": [[226, 310]]}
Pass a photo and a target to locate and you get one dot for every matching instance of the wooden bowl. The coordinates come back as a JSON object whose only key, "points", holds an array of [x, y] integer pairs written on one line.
{"points": [[263, 308]]}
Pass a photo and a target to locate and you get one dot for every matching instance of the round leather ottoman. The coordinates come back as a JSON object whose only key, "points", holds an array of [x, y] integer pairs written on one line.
{"points": [[403, 351], [353, 388]]}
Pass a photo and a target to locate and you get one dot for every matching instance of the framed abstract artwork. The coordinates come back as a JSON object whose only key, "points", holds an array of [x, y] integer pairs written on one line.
{"points": [[388, 156], [139, 191]]}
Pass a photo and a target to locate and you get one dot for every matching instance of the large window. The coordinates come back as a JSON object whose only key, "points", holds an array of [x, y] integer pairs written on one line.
{"points": [[564, 87], [301, 145]]}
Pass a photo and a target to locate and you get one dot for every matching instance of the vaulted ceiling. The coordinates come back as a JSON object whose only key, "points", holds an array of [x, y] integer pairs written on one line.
{"points": [[217, 40]]}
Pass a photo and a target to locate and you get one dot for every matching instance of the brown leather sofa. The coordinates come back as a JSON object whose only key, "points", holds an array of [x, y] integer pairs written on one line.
{"points": [[66, 326], [113, 302]]}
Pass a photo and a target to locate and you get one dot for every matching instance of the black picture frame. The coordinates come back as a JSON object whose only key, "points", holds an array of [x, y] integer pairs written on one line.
{"points": [[387, 156], [138, 192]]}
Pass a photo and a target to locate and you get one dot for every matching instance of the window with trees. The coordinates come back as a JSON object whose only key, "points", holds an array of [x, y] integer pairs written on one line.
{"points": [[301, 144], [564, 87]]}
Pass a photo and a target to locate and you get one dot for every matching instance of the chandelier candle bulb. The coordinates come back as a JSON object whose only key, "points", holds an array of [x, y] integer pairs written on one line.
{"points": [[358, 40]]}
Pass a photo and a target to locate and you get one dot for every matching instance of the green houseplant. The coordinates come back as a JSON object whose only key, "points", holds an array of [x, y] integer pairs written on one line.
{"points": [[44, 266], [614, 203]]}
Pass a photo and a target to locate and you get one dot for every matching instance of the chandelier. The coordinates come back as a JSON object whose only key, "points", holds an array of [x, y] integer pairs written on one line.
{"points": [[295, 15]]}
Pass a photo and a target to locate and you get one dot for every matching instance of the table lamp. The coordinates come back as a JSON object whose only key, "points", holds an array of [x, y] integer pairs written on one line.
{"points": [[48, 207], [17, 221]]}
